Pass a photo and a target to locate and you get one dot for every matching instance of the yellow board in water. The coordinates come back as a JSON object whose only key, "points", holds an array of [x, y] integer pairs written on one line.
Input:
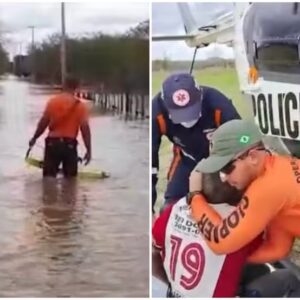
{"points": [[81, 173]]}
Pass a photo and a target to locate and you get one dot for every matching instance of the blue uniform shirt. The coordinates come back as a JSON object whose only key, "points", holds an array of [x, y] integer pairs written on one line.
{"points": [[193, 142]]}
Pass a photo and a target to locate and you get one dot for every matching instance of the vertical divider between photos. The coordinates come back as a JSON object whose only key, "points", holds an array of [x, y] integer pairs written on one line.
{"points": [[150, 147]]}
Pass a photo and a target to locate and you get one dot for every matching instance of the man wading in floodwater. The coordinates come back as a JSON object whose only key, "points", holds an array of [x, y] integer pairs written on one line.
{"points": [[64, 116]]}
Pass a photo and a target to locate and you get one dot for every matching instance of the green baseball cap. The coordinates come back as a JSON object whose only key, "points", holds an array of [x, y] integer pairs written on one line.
{"points": [[228, 141]]}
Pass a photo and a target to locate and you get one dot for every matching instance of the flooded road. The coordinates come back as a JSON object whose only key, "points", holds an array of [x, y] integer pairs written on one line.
{"points": [[75, 239]]}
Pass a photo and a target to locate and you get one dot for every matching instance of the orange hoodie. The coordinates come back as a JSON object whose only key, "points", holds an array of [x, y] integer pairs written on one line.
{"points": [[271, 204]]}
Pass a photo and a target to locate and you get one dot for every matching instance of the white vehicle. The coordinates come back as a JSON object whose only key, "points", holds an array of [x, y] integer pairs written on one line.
{"points": [[266, 38]]}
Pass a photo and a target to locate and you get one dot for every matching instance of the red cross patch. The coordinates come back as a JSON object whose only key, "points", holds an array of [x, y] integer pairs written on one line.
{"points": [[181, 97]]}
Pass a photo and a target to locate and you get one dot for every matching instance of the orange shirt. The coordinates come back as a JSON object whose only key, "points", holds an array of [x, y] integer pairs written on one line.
{"points": [[65, 116], [271, 204]]}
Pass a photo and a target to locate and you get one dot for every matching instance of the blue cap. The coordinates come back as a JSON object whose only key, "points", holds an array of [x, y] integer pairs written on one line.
{"points": [[182, 98]]}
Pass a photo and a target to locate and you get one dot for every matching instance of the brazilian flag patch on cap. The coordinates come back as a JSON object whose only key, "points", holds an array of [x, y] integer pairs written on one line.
{"points": [[244, 139]]}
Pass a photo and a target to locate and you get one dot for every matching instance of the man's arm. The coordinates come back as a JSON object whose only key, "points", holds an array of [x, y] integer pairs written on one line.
{"points": [[43, 123], [275, 246], [156, 140], [41, 127], [158, 270], [86, 136], [255, 211], [195, 181], [224, 105]]}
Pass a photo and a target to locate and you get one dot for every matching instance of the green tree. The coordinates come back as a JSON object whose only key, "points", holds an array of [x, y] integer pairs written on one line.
{"points": [[119, 62], [4, 61]]}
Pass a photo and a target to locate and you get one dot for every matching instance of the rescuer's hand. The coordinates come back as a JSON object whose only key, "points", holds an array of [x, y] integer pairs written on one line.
{"points": [[195, 181], [32, 142], [87, 158]]}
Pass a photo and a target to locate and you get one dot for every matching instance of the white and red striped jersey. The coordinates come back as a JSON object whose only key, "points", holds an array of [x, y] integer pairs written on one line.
{"points": [[193, 269]]}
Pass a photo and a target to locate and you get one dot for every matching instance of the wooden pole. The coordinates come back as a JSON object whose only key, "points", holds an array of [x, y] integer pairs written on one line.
{"points": [[63, 46]]}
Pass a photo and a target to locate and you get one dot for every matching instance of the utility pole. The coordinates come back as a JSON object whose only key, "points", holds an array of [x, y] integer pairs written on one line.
{"points": [[63, 46], [32, 35], [32, 53]]}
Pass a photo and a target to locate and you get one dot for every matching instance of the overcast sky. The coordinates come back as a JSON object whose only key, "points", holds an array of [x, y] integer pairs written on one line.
{"points": [[81, 18], [166, 20]]}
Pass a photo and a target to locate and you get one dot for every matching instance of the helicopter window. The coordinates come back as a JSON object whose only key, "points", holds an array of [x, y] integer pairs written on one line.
{"points": [[277, 57], [278, 54]]}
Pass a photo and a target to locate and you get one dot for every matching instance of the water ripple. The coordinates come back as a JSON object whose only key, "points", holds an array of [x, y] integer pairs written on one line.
{"points": [[79, 239]]}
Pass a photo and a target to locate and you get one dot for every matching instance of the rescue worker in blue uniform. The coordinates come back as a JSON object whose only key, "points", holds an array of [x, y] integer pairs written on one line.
{"points": [[187, 114]]}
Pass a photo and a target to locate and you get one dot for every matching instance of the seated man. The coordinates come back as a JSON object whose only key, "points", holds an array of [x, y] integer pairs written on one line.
{"points": [[183, 261], [182, 258]]}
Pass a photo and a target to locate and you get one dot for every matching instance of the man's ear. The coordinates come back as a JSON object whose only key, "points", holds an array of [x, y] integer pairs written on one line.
{"points": [[254, 156]]}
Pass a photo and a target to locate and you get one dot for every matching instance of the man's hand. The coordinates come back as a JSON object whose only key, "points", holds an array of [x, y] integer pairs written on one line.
{"points": [[41, 127], [87, 158], [195, 181], [32, 142]]}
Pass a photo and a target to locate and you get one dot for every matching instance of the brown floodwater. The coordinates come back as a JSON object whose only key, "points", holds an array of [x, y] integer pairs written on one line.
{"points": [[86, 238]]}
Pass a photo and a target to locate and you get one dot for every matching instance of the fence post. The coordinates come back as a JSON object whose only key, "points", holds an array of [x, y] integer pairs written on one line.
{"points": [[115, 102], [127, 108], [142, 107], [97, 99], [122, 104], [105, 101], [136, 108]]}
